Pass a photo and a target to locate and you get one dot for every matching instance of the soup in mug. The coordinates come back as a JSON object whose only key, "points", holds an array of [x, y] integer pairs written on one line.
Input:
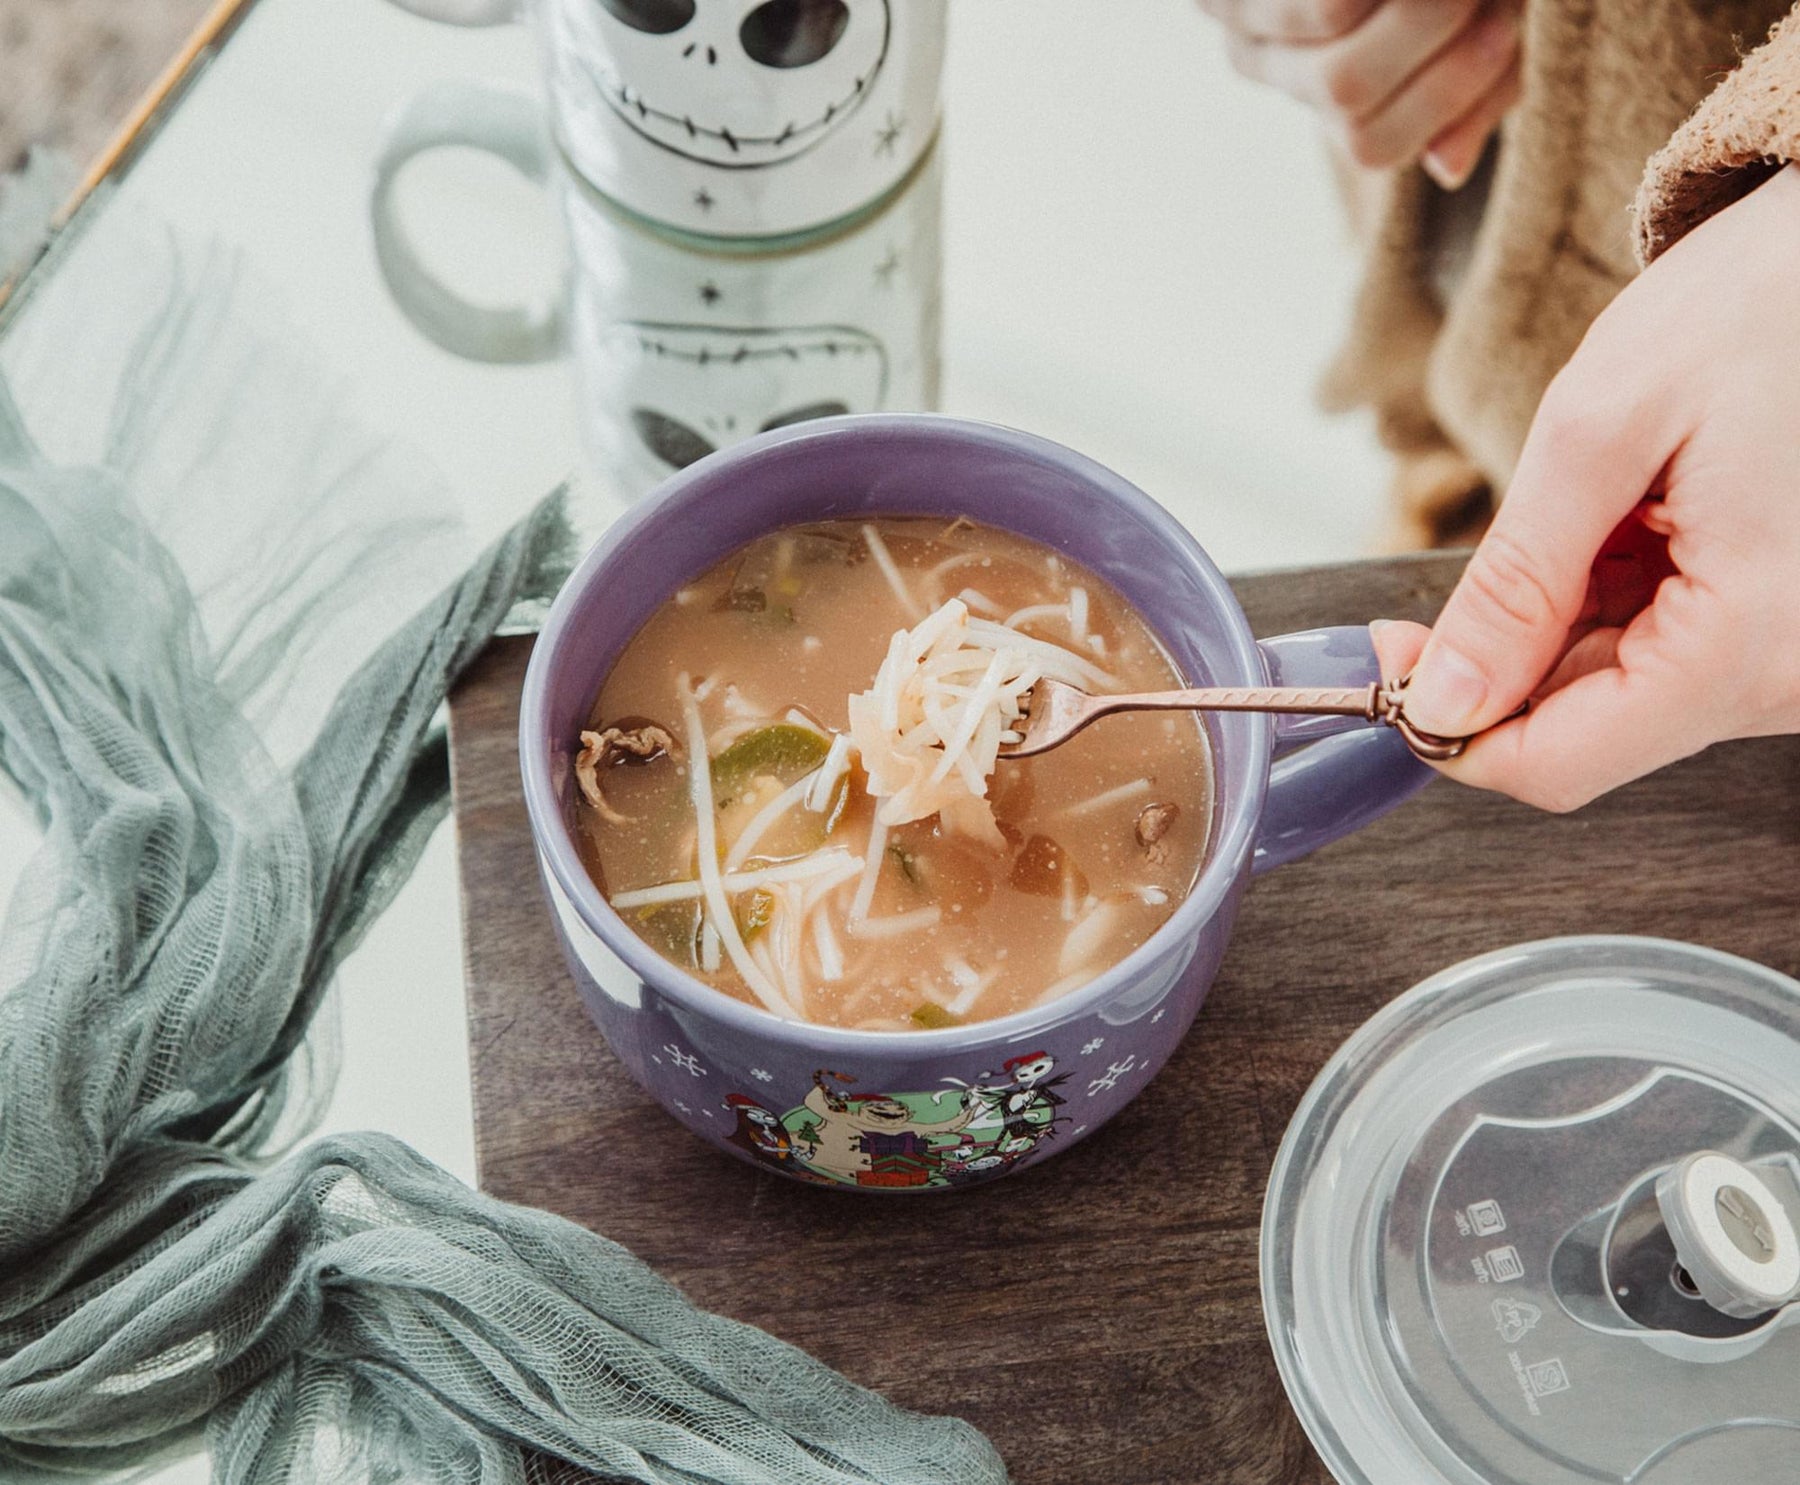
{"points": [[791, 785]]}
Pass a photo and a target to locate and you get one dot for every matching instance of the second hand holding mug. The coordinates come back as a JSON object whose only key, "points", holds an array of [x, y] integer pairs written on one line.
{"points": [[742, 119]]}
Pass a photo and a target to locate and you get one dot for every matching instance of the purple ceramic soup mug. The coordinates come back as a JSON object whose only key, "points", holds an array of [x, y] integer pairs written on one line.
{"points": [[931, 1109]]}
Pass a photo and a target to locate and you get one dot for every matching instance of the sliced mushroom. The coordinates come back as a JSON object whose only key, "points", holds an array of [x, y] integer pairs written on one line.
{"points": [[1153, 823], [633, 740]]}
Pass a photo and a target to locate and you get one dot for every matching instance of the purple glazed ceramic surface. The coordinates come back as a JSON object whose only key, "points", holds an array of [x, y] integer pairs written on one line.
{"points": [[935, 1109]]}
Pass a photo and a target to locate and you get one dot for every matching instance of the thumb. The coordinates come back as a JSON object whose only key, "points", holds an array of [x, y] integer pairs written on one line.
{"points": [[1610, 724], [1591, 454]]}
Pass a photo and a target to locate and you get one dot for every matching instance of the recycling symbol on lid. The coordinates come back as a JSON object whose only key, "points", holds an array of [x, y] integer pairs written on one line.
{"points": [[1514, 1318]]}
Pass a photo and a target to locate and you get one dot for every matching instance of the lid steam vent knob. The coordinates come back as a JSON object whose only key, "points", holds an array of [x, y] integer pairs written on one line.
{"points": [[1732, 1234]]}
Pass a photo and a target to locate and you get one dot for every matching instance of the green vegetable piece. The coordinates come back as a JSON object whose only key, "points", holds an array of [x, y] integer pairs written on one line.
{"points": [[754, 912], [673, 930], [784, 750], [933, 1017]]}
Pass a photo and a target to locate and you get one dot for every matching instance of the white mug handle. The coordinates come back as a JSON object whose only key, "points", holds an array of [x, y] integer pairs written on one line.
{"points": [[504, 123], [463, 12]]}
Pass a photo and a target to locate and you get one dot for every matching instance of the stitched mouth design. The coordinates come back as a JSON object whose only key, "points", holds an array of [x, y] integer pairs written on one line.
{"points": [[724, 345], [669, 130]]}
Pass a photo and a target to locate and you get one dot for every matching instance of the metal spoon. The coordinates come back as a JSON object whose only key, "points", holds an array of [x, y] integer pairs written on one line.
{"points": [[1056, 711]]}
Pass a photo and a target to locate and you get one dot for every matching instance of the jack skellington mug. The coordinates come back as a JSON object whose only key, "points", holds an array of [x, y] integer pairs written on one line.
{"points": [[679, 350], [766, 119]]}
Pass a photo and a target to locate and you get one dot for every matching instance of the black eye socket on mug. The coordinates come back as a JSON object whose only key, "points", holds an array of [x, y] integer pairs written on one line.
{"points": [[658, 17], [793, 33], [670, 439]]}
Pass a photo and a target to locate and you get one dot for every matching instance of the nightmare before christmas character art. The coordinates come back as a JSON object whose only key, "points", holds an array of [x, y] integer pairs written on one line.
{"points": [[1022, 1099], [689, 389], [761, 1134], [876, 1139], [948, 1137], [732, 86]]}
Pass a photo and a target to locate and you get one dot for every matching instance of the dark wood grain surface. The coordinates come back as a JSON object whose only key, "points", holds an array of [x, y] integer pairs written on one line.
{"points": [[1097, 1315]]}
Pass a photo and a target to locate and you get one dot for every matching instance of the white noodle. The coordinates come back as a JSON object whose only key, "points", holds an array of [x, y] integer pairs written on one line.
{"points": [[709, 947], [932, 628], [800, 719], [705, 688], [878, 550], [784, 931], [831, 955], [950, 564], [707, 850], [1078, 614], [723, 737], [760, 822], [974, 598], [822, 886], [1055, 661], [898, 923], [1071, 905], [1129, 790], [765, 963], [1038, 611], [1067, 983], [824, 782], [820, 863], [971, 985], [1154, 896], [872, 859], [736, 706], [887, 682], [1087, 936], [956, 745]]}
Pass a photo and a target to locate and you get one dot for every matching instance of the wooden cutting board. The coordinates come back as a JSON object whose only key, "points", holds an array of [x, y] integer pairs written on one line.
{"points": [[1097, 1315]]}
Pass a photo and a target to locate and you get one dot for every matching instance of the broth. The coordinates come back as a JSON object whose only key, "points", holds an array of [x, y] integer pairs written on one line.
{"points": [[835, 917]]}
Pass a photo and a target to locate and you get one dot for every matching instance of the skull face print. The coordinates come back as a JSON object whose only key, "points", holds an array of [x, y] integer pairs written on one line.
{"points": [[687, 390], [737, 84]]}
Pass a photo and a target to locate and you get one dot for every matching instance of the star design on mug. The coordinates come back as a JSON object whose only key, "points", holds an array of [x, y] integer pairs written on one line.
{"points": [[703, 199], [887, 268], [709, 293], [888, 135]]}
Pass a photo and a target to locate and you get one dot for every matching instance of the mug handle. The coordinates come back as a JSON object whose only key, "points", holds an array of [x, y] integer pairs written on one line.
{"points": [[500, 122], [1350, 772]]}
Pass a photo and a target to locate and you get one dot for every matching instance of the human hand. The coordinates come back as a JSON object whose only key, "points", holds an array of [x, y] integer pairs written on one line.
{"points": [[1397, 80], [1642, 576]]}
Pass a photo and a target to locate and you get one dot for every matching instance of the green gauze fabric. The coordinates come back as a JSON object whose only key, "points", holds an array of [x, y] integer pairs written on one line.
{"points": [[351, 1312]]}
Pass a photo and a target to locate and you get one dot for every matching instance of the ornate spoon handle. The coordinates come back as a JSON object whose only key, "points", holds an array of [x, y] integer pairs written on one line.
{"points": [[1379, 701]]}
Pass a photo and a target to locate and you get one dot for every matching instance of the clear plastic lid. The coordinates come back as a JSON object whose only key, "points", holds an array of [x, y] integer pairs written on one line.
{"points": [[1469, 1271]]}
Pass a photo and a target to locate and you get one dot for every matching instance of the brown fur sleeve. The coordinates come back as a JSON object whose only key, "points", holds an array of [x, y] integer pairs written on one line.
{"points": [[1746, 130]]}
